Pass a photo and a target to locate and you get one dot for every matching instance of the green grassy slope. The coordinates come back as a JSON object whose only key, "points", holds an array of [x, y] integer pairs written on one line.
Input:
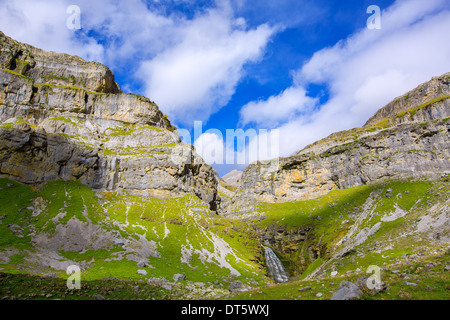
{"points": [[409, 242], [173, 236]]}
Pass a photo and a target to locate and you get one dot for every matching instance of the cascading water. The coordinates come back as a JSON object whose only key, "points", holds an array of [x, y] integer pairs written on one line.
{"points": [[276, 270]]}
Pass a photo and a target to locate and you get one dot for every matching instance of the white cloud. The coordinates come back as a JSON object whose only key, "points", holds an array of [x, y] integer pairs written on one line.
{"points": [[127, 30], [43, 24], [131, 31], [276, 109], [239, 147], [189, 66], [192, 66], [198, 76], [369, 69]]}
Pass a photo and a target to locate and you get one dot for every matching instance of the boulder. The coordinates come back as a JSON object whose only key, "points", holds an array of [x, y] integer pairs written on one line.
{"points": [[178, 277], [347, 291], [238, 286], [167, 287], [119, 242]]}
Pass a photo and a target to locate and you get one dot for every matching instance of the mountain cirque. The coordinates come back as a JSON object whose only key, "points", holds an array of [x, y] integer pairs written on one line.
{"points": [[93, 176], [64, 118]]}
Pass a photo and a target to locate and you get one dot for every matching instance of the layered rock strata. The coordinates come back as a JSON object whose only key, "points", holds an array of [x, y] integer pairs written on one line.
{"points": [[408, 138], [64, 118]]}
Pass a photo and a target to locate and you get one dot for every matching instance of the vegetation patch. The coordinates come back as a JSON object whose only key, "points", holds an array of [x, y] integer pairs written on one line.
{"points": [[413, 111], [18, 74]]}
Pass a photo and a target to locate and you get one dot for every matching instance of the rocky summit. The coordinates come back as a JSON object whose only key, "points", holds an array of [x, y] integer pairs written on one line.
{"points": [[98, 180], [94, 177]]}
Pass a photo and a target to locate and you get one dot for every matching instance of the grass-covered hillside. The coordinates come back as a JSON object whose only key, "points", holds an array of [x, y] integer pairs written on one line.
{"points": [[400, 226], [109, 235]]}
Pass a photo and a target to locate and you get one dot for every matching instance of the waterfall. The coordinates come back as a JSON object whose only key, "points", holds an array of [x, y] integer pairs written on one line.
{"points": [[276, 270]]}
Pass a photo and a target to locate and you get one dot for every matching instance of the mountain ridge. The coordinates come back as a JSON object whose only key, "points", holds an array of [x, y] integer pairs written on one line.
{"points": [[417, 135]]}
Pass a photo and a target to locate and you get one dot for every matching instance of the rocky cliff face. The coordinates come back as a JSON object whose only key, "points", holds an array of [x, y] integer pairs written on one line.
{"points": [[64, 118], [433, 91], [408, 138]]}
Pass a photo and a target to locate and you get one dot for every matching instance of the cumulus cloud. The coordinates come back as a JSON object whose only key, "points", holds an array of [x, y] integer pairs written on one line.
{"points": [[112, 32], [238, 148], [198, 76], [190, 66], [367, 70], [210, 147], [270, 112], [44, 24]]}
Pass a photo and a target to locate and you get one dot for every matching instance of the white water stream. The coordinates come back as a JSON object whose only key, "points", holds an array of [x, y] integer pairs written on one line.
{"points": [[276, 270]]}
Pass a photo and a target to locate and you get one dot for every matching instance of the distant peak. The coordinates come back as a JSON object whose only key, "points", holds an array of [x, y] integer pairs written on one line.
{"points": [[233, 177]]}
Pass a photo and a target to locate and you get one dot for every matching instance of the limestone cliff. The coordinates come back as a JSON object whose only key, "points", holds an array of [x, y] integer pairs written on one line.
{"points": [[408, 138], [55, 68], [65, 118], [433, 91]]}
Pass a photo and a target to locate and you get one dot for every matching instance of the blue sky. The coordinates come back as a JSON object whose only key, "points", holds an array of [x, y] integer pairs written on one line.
{"points": [[303, 68]]}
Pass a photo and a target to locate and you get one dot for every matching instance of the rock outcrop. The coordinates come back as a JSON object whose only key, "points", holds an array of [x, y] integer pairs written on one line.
{"points": [[433, 91], [347, 291], [58, 69], [64, 118], [408, 138]]}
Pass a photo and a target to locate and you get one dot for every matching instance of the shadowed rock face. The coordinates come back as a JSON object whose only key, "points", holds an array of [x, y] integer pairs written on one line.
{"points": [[401, 141], [64, 118]]}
